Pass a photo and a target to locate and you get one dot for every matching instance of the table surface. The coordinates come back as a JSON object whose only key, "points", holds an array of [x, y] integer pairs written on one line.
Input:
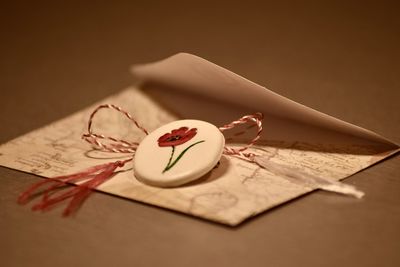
{"points": [[342, 59]]}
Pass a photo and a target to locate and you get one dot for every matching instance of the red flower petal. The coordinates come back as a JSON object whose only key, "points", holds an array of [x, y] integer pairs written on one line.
{"points": [[177, 137]]}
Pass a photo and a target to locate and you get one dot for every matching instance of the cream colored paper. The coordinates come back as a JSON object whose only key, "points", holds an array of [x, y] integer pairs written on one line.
{"points": [[185, 86]]}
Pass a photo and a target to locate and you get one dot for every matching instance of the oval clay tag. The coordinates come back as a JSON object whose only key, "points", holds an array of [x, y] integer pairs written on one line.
{"points": [[178, 152]]}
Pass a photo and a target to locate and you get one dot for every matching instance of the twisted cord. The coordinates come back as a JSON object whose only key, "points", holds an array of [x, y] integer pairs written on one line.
{"points": [[116, 145], [123, 146]]}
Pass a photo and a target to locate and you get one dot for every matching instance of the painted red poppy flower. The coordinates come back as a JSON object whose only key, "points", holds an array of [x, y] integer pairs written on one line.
{"points": [[177, 137]]}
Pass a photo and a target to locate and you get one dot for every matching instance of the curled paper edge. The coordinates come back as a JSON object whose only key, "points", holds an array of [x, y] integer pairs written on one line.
{"points": [[195, 75]]}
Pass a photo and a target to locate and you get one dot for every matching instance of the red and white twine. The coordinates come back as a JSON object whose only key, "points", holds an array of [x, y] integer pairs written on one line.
{"points": [[118, 145], [123, 146], [253, 118], [96, 175]]}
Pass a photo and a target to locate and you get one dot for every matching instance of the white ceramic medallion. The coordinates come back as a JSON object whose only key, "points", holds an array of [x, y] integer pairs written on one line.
{"points": [[178, 152]]}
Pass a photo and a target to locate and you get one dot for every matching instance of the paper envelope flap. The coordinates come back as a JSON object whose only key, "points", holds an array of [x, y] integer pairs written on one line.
{"points": [[198, 76]]}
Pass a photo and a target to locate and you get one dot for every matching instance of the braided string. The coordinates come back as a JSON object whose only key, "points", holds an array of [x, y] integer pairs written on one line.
{"points": [[253, 118], [123, 146], [96, 175], [117, 145]]}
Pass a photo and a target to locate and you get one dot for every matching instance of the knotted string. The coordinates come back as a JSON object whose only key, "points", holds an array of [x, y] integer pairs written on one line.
{"points": [[116, 145], [94, 176], [238, 152]]}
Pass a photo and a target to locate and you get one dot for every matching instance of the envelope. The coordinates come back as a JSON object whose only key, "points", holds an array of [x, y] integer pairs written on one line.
{"points": [[295, 137]]}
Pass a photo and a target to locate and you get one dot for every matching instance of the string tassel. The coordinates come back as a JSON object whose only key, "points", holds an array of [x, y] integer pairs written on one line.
{"points": [[58, 191], [53, 194]]}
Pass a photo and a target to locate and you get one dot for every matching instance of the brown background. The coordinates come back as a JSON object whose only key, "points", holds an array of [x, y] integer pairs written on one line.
{"points": [[339, 57]]}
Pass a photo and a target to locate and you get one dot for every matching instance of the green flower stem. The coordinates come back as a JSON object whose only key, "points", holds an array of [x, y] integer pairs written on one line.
{"points": [[170, 165], [170, 159]]}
